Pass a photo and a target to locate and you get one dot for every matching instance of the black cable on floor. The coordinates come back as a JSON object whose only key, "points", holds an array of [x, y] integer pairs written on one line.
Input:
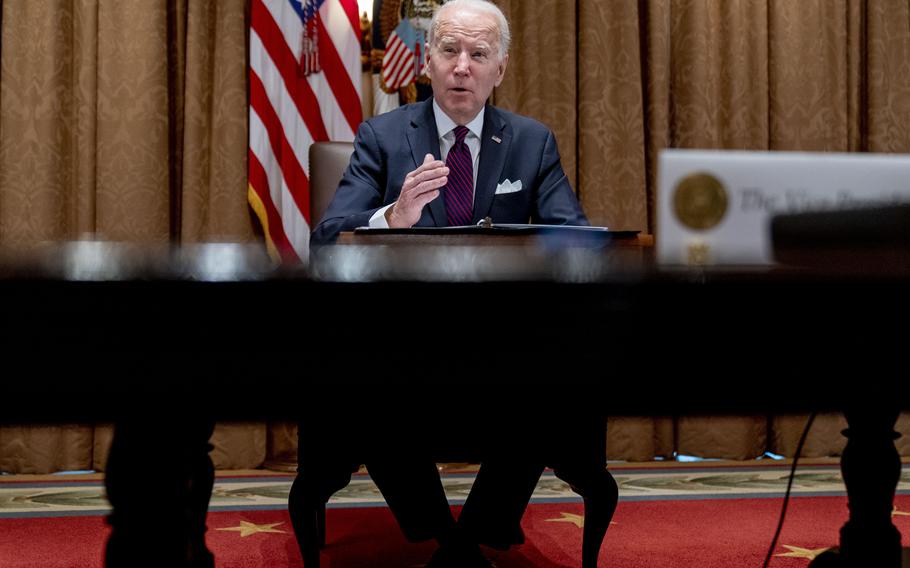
{"points": [[783, 511]]}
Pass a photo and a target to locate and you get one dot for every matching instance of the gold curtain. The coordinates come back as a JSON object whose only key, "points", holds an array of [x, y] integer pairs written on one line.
{"points": [[620, 80], [122, 120]]}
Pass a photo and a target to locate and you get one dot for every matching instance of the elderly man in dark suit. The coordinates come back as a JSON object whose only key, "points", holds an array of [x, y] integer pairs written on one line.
{"points": [[453, 159], [449, 161]]}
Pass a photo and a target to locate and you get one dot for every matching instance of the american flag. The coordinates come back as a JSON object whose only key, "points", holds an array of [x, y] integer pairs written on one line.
{"points": [[404, 56], [305, 82]]}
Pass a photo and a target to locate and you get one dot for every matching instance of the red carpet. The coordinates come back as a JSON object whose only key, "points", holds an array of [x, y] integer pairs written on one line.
{"points": [[709, 533]]}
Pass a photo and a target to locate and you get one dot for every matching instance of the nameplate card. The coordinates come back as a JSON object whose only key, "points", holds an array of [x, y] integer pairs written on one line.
{"points": [[715, 207]]}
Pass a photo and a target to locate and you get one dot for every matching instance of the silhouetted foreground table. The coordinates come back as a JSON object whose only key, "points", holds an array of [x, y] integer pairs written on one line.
{"points": [[95, 329]]}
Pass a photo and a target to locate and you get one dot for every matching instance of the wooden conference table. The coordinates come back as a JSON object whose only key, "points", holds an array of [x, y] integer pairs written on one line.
{"points": [[94, 328]]}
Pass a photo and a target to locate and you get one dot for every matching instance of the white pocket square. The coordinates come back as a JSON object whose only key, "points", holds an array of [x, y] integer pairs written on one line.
{"points": [[508, 187]]}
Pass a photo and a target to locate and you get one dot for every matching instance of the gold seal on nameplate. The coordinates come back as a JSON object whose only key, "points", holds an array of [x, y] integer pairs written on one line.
{"points": [[700, 201]]}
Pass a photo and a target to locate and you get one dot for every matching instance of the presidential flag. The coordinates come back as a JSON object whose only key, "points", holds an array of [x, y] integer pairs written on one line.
{"points": [[304, 87], [404, 56]]}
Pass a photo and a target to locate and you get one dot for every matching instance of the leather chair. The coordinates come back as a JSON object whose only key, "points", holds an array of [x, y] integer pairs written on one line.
{"points": [[327, 460], [328, 161]]}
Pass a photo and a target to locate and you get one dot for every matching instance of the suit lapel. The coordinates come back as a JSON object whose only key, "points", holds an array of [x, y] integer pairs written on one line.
{"points": [[424, 139], [492, 160]]}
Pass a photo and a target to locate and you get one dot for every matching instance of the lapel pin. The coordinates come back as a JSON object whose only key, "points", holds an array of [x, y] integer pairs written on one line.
{"points": [[497, 139]]}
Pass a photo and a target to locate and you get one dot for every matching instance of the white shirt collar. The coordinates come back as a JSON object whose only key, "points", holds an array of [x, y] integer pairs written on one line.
{"points": [[444, 124]]}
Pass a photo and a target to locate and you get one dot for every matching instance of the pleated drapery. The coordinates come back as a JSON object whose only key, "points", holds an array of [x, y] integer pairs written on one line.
{"points": [[620, 80], [124, 120], [121, 120]]}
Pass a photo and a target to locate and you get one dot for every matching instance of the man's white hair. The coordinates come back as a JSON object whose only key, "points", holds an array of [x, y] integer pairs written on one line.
{"points": [[505, 36]]}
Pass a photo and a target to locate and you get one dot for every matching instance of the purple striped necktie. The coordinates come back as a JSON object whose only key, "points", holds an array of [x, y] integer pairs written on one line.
{"points": [[459, 191]]}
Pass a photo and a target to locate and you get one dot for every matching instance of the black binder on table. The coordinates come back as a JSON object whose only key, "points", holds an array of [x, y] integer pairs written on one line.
{"points": [[550, 235]]}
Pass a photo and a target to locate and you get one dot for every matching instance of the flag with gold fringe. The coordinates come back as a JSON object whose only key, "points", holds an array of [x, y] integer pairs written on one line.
{"points": [[305, 84]]}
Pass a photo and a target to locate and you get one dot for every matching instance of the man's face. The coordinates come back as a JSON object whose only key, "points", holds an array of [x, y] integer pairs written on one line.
{"points": [[464, 63]]}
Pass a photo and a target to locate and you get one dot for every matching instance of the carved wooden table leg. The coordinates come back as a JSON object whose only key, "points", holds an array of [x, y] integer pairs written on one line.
{"points": [[871, 468]]}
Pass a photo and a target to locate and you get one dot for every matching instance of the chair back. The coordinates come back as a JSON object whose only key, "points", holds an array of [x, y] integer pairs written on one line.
{"points": [[328, 161]]}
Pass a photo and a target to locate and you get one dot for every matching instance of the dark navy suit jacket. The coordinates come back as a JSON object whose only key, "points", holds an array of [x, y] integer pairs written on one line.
{"points": [[513, 147]]}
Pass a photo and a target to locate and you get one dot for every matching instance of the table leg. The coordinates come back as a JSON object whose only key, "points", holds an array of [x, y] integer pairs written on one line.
{"points": [[158, 515], [871, 468]]}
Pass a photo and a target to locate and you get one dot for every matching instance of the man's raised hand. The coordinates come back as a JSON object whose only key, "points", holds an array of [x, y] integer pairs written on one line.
{"points": [[419, 188]]}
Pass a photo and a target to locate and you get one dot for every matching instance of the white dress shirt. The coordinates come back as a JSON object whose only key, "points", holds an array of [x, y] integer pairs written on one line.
{"points": [[446, 141]]}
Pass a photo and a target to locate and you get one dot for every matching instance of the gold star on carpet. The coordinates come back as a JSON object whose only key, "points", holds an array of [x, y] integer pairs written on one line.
{"points": [[797, 552], [577, 520], [246, 529], [896, 513]]}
